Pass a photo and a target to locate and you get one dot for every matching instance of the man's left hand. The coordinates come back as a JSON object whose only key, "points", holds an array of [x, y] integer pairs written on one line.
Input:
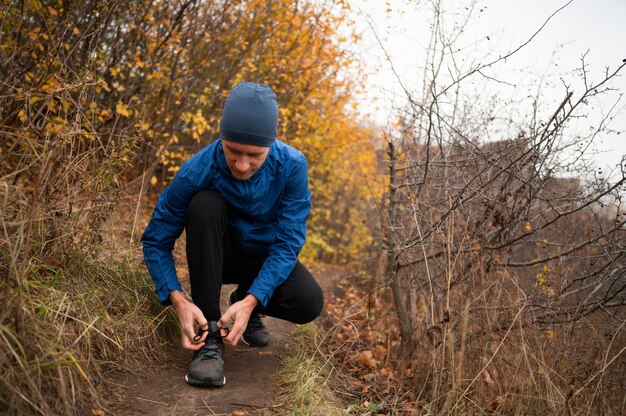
{"points": [[238, 313]]}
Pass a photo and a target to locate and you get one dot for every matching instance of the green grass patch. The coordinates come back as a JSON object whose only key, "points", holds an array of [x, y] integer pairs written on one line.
{"points": [[305, 378]]}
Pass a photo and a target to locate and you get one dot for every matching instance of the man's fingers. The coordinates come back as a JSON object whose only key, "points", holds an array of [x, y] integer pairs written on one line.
{"points": [[202, 322], [235, 333], [232, 339], [190, 335], [201, 339], [188, 345], [190, 317], [225, 319]]}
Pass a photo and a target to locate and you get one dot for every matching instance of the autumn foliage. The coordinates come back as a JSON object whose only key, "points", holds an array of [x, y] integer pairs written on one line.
{"points": [[101, 101]]}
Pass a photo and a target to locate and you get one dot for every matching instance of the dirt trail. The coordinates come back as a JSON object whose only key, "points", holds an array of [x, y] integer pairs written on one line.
{"points": [[250, 377]]}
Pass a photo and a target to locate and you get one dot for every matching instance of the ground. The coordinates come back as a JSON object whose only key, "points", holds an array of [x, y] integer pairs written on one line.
{"points": [[250, 377]]}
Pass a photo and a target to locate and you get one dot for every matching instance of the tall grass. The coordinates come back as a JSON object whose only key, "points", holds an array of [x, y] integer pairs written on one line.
{"points": [[305, 377], [67, 328]]}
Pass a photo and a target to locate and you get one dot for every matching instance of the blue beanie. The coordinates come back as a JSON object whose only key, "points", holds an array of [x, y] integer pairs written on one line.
{"points": [[250, 115]]}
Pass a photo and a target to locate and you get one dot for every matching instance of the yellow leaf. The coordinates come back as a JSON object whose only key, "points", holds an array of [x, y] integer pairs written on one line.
{"points": [[76, 31], [528, 226], [22, 116], [122, 109], [52, 11], [153, 181], [138, 61]]}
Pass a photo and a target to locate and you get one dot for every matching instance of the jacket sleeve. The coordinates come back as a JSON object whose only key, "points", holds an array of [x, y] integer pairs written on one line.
{"points": [[290, 229], [166, 225]]}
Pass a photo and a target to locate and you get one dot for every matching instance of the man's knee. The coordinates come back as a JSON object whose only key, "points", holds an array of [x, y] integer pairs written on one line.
{"points": [[312, 303], [207, 204]]}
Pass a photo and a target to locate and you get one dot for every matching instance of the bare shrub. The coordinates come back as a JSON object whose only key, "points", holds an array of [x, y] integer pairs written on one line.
{"points": [[505, 265]]}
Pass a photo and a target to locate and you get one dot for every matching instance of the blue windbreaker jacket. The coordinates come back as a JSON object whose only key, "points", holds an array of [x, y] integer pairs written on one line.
{"points": [[266, 214]]}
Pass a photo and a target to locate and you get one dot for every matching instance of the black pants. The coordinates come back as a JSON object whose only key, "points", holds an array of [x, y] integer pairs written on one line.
{"points": [[213, 260]]}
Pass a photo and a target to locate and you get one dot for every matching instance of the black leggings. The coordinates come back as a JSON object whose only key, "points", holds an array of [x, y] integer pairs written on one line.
{"points": [[213, 260]]}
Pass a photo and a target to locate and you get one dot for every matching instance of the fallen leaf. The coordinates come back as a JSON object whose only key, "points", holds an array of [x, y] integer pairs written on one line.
{"points": [[366, 359], [528, 226]]}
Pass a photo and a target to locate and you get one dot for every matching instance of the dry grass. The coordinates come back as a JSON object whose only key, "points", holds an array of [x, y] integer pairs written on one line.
{"points": [[305, 378], [67, 328], [471, 364]]}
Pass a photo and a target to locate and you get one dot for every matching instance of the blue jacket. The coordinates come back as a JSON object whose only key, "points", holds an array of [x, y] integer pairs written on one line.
{"points": [[267, 214]]}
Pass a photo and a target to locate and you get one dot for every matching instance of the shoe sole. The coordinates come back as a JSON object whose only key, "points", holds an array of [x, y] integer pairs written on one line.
{"points": [[193, 382]]}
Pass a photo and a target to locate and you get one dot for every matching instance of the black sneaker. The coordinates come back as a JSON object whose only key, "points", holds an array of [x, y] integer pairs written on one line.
{"points": [[207, 365], [256, 334]]}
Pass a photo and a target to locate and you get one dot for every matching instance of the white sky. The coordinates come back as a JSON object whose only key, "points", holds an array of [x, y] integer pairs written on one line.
{"points": [[595, 25]]}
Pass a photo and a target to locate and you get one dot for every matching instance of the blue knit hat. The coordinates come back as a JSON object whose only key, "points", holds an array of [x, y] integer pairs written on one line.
{"points": [[250, 115]]}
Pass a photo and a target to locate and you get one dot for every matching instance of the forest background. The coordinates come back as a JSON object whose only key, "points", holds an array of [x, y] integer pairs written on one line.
{"points": [[489, 246]]}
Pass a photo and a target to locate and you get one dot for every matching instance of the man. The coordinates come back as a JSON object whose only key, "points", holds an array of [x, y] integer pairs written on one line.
{"points": [[243, 201]]}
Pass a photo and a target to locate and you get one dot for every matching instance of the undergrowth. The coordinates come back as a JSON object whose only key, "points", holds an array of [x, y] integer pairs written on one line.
{"points": [[512, 372], [305, 378], [67, 328]]}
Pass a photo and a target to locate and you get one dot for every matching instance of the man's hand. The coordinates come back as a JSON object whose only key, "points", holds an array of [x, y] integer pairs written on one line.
{"points": [[239, 314], [188, 315]]}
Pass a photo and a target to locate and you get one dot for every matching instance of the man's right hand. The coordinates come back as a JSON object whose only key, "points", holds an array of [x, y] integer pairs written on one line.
{"points": [[188, 314]]}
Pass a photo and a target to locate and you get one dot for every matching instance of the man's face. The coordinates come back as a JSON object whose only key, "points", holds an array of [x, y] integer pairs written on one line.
{"points": [[243, 159]]}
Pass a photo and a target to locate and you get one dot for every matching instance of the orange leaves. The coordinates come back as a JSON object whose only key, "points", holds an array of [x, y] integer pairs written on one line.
{"points": [[528, 226], [296, 21], [366, 358]]}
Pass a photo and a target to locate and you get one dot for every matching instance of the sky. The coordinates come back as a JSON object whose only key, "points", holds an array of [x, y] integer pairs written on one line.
{"points": [[594, 27]]}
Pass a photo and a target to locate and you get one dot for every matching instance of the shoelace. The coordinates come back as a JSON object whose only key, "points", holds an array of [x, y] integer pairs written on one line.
{"points": [[217, 333], [210, 351]]}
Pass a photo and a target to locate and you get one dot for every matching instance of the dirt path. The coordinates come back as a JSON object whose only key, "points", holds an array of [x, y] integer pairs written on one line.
{"points": [[250, 377]]}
